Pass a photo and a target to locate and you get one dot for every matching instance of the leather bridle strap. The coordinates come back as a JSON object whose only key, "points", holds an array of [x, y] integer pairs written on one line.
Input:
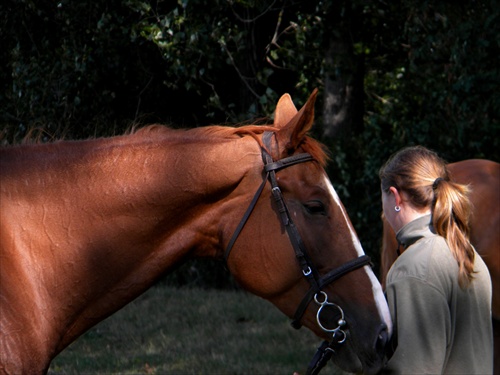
{"points": [[244, 219], [330, 277], [308, 270], [270, 170]]}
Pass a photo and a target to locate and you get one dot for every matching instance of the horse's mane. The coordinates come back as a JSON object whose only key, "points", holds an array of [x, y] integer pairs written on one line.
{"points": [[201, 134], [317, 150]]}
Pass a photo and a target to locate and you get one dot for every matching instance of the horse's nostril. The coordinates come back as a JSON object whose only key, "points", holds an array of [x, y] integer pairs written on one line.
{"points": [[382, 339]]}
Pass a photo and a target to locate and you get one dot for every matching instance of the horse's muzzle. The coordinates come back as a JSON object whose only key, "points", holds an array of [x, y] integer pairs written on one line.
{"points": [[377, 361]]}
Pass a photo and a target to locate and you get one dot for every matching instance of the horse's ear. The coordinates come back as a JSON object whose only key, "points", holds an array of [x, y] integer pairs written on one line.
{"points": [[285, 110], [293, 127]]}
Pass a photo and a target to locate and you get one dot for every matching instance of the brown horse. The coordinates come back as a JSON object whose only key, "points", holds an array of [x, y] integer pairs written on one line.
{"points": [[483, 176], [87, 226]]}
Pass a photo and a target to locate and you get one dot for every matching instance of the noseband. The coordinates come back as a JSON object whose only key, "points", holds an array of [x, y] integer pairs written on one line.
{"points": [[309, 271]]}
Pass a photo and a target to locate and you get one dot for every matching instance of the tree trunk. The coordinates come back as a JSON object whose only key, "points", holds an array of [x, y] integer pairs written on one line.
{"points": [[343, 94]]}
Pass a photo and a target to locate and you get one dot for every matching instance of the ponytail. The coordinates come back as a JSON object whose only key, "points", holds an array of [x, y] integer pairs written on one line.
{"points": [[450, 219]]}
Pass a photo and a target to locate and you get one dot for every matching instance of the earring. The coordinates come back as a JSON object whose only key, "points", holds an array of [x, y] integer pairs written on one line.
{"points": [[397, 208]]}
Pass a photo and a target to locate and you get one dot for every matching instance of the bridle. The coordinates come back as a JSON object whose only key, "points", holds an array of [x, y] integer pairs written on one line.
{"points": [[317, 282]]}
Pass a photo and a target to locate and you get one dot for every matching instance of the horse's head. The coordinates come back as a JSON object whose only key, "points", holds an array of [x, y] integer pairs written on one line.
{"points": [[302, 253]]}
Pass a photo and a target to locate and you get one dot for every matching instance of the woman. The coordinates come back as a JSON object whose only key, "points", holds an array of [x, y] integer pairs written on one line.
{"points": [[439, 289]]}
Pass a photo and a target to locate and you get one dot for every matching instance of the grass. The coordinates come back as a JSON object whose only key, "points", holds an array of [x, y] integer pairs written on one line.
{"points": [[172, 330]]}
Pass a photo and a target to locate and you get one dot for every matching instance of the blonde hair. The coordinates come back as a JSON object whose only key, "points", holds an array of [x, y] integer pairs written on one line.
{"points": [[423, 175]]}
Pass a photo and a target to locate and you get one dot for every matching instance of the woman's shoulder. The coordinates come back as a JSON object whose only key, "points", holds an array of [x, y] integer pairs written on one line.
{"points": [[428, 259]]}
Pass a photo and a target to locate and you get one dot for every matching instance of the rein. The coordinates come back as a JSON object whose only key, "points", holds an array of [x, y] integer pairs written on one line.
{"points": [[317, 282]]}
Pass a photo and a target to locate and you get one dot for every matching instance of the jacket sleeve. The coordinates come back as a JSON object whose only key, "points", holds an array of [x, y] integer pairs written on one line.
{"points": [[422, 323]]}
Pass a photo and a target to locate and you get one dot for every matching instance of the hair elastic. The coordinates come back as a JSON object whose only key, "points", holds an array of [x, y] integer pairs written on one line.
{"points": [[436, 182]]}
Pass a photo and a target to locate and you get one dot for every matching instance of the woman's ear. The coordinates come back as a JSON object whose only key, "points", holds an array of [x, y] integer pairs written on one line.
{"points": [[397, 196]]}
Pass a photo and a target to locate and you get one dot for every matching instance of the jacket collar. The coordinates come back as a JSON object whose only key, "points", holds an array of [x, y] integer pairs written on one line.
{"points": [[415, 230]]}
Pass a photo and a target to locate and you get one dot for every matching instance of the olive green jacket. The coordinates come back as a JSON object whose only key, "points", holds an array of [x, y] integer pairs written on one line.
{"points": [[439, 328]]}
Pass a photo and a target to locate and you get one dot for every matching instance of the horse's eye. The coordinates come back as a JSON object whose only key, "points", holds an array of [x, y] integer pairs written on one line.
{"points": [[315, 208]]}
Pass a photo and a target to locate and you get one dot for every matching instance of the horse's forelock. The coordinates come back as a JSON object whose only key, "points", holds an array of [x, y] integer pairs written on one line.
{"points": [[317, 150]]}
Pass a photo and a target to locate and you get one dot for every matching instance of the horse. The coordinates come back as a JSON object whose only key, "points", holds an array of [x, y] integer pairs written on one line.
{"points": [[89, 225], [483, 177]]}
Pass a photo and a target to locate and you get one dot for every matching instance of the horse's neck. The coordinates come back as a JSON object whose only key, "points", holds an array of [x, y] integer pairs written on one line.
{"points": [[120, 176], [121, 212]]}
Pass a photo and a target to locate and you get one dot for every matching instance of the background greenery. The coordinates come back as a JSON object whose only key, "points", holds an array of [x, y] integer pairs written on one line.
{"points": [[391, 74]]}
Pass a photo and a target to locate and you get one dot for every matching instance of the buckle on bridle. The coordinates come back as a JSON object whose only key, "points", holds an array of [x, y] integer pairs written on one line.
{"points": [[307, 272]]}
